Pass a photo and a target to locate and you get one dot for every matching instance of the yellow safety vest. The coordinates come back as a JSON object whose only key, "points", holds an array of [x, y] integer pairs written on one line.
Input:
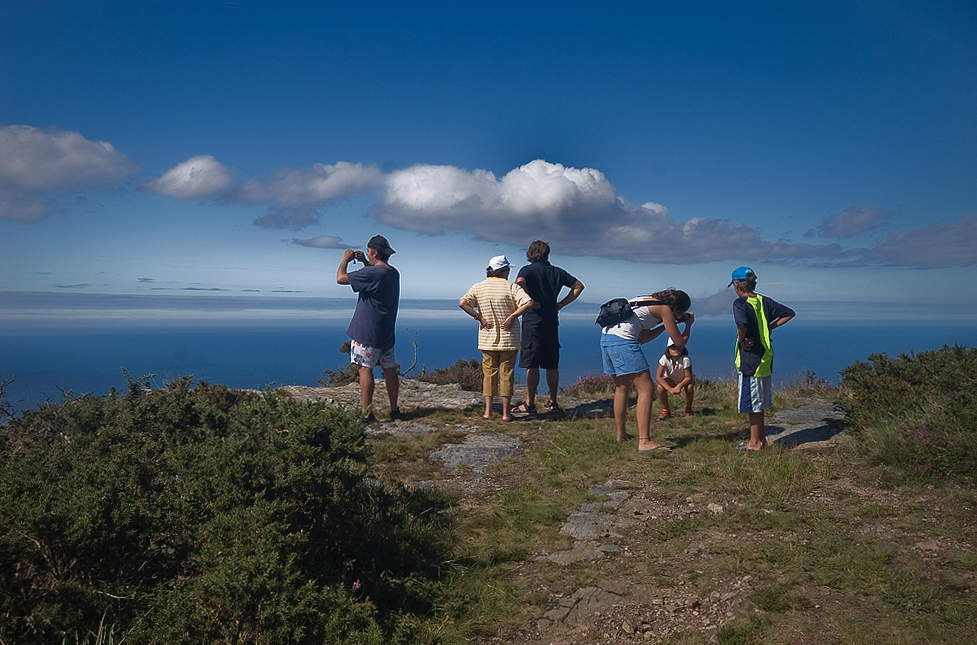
{"points": [[765, 368]]}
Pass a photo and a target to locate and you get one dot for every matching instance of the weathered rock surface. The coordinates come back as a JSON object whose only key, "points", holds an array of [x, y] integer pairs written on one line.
{"points": [[815, 423], [414, 395]]}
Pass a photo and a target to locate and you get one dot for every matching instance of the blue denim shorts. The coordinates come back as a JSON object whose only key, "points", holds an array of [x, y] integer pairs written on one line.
{"points": [[620, 356]]}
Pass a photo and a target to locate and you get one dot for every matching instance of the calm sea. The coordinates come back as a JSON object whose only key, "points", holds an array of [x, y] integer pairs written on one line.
{"points": [[46, 362]]}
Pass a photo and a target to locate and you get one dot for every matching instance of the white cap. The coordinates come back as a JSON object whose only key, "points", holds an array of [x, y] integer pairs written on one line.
{"points": [[499, 262]]}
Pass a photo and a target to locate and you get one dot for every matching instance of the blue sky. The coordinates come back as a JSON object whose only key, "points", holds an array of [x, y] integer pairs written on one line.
{"points": [[232, 149]]}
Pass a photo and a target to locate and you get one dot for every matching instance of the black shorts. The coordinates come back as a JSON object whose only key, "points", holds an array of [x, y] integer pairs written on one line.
{"points": [[540, 345]]}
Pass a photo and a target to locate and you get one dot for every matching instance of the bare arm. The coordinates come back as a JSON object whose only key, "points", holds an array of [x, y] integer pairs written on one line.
{"points": [[783, 320], [648, 335], [679, 338], [660, 375], [514, 316], [745, 343], [685, 381], [342, 273], [575, 292], [468, 309]]}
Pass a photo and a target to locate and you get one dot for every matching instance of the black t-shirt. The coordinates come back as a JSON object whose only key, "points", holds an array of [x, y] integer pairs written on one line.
{"points": [[543, 284]]}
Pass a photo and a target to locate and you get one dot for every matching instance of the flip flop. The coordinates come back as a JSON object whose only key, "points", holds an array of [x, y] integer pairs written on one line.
{"points": [[655, 449]]}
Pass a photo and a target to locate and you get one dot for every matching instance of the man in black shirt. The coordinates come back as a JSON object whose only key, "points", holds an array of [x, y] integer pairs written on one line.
{"points": [[540, 325]]}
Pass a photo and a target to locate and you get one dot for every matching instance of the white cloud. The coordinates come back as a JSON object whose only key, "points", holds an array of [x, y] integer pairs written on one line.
{"points": [[539, 199], [854, 221], [931, 247], [195, 178], [23, 207], [576, 210], [294, 196], [321, 242], [34, 162], [320, 184]]}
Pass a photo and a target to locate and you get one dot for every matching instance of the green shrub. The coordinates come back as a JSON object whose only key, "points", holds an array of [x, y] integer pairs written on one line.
{"points": [[350, 373], [207, 515], [916, 412], [341, 376], [467, 374]]}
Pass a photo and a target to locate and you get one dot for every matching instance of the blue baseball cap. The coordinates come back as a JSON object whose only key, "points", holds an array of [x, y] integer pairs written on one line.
{"points": [[740, 274]]}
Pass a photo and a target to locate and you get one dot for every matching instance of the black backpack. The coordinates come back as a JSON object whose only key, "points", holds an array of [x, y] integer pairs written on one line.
{"points": [[618, 310]]}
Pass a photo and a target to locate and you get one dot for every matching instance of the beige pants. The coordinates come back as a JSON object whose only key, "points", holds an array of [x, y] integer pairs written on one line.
{"points": [[498, 372]]}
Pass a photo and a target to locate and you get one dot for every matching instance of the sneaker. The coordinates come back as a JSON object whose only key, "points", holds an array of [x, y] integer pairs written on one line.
{"points": [[370, 418]]}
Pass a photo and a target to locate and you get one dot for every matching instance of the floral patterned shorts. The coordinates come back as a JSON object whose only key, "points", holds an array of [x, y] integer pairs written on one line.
{"points": [[370, 357]]}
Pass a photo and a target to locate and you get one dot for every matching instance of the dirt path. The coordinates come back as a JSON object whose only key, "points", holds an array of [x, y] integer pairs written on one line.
{"points": [[629, 601]]}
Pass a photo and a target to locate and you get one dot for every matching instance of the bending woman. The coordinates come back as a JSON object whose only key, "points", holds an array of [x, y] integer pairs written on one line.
{"points": [[620, 348]]}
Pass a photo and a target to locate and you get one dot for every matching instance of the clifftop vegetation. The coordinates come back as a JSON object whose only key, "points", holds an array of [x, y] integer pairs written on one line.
{"points": [[200, 514]]}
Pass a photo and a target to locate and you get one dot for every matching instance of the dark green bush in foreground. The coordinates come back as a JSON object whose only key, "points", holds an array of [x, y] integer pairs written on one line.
{"points": [[917, 413], [203, 515]]}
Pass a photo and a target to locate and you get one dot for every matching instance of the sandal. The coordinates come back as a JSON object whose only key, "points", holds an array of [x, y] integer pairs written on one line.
{"points": [[522, 408], [553, 406], [655, 449], [666, 414]]}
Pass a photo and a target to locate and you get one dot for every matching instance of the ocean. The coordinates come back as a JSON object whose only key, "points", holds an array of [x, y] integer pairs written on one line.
{"points": [[47, 362]]}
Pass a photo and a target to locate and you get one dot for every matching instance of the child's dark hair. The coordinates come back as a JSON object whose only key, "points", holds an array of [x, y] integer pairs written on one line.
{"points": [[684, 352], [497, 273]]}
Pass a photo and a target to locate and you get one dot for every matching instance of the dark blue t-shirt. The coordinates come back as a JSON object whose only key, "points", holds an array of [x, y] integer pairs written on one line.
{"points": [[375, 317], [543, 284]]}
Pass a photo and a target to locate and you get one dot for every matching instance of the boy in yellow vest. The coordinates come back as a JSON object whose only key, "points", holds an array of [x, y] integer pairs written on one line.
{"points": [[756, 316]]}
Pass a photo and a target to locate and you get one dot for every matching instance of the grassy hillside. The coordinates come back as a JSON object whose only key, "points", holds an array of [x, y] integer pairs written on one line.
{"points": [[293, 528]]}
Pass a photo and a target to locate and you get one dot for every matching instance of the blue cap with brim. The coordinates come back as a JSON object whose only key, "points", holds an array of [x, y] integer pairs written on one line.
{"points": [[740, 274]]}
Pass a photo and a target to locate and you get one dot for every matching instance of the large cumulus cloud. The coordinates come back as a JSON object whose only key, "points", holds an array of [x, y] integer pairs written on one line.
{"points": [[575, 209], [37, 164]]}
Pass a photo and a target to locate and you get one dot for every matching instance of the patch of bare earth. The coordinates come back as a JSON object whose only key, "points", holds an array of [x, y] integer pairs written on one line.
{"points": [[639, 568]]}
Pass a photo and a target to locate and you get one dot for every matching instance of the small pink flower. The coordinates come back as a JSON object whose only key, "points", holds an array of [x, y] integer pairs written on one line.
{"points": [[356, 585]]}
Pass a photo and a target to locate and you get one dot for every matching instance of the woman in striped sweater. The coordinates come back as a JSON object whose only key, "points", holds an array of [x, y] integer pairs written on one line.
{"points": [[497, 304]]}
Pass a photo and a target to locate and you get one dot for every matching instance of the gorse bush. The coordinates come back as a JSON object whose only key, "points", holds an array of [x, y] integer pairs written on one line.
{"points": [[467, 374], [340, 376], [208, 516], [917, 413], [345, 375], [593, 385]]}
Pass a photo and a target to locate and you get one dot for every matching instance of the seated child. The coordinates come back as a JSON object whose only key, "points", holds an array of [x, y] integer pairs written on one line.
{"points": [[674, 376]]}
